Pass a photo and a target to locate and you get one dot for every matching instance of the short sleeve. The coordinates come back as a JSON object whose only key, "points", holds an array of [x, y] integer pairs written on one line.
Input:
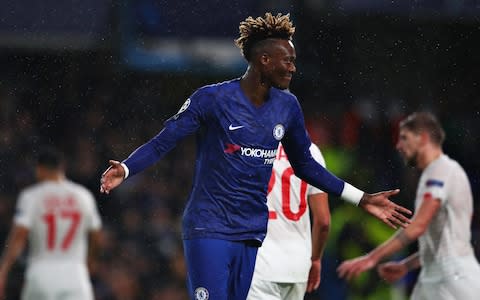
{"points": [[317, 155], [94, 220], [435, 188], [24, 210]]}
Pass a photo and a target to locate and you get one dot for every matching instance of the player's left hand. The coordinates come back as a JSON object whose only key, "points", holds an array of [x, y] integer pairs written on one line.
{"points": [[354, 267], [392, 271], [314, 275], [380, 206]]}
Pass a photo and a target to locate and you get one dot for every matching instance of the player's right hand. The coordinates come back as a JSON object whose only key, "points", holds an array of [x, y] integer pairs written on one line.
{"points": [[314, 276], [354, 267], [112, 177]]}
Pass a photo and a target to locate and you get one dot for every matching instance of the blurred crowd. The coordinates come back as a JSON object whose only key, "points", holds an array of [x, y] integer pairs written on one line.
{"points": [[92, 120]]}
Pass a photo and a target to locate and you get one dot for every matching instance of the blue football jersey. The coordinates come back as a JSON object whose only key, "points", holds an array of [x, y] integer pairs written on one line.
{"points": [[236, 146]]}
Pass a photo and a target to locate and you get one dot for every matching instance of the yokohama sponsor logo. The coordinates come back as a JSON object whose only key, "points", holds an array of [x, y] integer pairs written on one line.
{"points": [[261, 153], [267, 154]]}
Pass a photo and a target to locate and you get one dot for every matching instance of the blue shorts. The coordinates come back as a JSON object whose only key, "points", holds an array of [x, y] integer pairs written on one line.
{"points": [[219, 269]]}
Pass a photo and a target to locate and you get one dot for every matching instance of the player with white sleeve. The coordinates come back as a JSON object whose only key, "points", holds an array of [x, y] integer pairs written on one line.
{"points": [[57, 216], [441, 224], [289, 261]]}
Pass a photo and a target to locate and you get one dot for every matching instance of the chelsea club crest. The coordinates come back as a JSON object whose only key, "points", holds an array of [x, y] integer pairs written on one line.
{"points": [[278, 132], [201, 293]]}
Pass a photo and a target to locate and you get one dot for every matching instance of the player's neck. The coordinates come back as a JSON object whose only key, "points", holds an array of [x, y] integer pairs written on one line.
{"points": [[55, 177], [254, 88], [429, 155]]}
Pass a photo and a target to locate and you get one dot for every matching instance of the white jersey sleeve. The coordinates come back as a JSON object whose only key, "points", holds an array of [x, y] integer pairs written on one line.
{"points": [[25, 210], [317, 155], [93, 221]]}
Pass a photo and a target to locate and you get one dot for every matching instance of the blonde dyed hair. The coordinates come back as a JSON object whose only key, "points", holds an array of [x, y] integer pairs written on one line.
{"points": [[255, 30]]}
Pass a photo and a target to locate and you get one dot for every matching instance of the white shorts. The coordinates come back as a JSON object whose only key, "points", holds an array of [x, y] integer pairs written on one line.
{"points": [[267, 290], [53, 281], [455, 289], [464, 284]]}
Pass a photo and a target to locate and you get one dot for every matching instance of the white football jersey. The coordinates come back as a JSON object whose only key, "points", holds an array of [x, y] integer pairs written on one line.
{"points": [[58, 215], [285, 255], [447, 240]]}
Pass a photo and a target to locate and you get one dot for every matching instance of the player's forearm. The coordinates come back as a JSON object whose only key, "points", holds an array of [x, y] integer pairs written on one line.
{"points": [[316, 175], [8, 258], [320, 223], [319, 241], [397, 242], [150, 152], [297, 146], [412, 262], [320, 212], [94, 243], [13, 248]]}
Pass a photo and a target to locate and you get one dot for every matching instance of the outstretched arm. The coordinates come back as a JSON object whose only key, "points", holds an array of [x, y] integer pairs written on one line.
{"points": [[297, 143], [379, 205], [185, 122], [13, 248], [143, 157], [354, 267], [320, 228]]}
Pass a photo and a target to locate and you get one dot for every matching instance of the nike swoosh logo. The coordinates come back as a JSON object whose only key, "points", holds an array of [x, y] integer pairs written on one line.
{"points": [[231, 127]]}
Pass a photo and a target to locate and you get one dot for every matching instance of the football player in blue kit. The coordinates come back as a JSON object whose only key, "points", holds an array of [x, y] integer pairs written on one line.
{"points": [[238, 125]]}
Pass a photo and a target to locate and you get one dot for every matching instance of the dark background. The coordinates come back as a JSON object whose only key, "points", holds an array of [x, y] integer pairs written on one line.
{"points": [[98, 78]]}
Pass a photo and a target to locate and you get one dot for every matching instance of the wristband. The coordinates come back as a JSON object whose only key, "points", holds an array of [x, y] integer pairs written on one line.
{"points": [[351, 194], [125, 168]]}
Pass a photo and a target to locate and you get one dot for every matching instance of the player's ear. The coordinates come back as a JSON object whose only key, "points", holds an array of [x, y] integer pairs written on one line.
{"points": [[264, 58], [424, 137]]}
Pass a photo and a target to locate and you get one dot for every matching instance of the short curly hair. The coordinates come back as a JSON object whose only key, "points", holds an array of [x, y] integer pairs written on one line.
{"points": [[253, 31]]}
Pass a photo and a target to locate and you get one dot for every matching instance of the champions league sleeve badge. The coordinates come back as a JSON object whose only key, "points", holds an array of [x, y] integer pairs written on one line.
{"points": [[183, 108], [434, 182]]}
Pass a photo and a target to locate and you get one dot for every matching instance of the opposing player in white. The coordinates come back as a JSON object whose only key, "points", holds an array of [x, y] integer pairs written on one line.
{"points": [[56, 215], [444, 207], [289, 260]]}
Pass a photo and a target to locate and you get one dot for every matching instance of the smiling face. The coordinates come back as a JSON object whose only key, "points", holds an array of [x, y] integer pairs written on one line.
{"points": [[408, 146], [278, 63]]}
